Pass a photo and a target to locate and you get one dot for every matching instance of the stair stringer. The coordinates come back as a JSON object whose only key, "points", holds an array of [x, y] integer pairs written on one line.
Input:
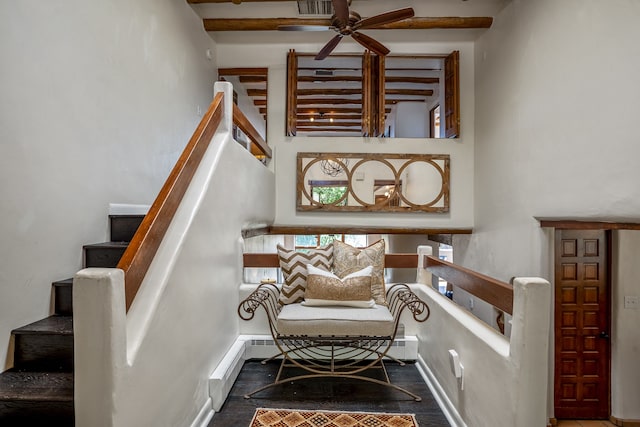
{"points": [[184, 318]]}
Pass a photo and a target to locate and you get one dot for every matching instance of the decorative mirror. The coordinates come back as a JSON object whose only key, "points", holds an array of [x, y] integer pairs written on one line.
{"points": [[372, 182]]}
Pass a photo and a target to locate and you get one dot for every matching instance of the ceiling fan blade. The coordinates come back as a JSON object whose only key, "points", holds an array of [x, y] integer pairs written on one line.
{"points": [[370, 43], [341, 9], [328, 48], [303, 28], [385, 18]]}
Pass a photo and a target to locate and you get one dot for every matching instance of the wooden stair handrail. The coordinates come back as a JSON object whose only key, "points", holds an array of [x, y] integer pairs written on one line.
{"points": [[493, 291], [260, 145], [270, 260], [138, 256]]}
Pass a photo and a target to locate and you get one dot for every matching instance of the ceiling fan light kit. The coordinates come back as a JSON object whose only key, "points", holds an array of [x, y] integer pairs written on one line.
{"points": [[347, 23]]}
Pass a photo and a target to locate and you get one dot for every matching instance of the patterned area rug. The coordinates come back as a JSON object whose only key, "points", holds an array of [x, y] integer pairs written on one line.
{"points": [[301, 418]]}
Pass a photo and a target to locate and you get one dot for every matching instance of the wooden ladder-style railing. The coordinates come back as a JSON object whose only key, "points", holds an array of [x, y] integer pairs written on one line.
{"points": [[259, 146], [493, 291], [137, 258]]}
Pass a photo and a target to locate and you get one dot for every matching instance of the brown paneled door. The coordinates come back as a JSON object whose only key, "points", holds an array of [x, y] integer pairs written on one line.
{"points": [[582, 324]]}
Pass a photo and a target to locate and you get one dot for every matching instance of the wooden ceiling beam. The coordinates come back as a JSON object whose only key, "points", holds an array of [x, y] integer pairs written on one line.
{"points": [[331, 101], [339, 92], [333, 115], [243, 71], [417, 80], [307, 123], [257, 92], [411, 92], [331, 110], [396, 100], [329, 78], [253, 79], [271, 24], [230, 1], [311, 129]]}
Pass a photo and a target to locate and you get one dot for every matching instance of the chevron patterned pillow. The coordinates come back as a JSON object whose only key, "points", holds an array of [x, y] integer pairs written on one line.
{"points": [[294, 269]]}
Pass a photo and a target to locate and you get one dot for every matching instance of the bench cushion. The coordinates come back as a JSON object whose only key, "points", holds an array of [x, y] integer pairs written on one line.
{"points": [[297, 319]]}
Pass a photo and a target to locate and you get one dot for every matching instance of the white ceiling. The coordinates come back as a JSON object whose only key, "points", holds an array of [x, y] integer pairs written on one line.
{"points": [[289, 9]]}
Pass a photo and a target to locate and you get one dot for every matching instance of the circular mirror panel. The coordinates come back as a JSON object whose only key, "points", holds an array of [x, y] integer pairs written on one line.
{"points": [[424, 182]]}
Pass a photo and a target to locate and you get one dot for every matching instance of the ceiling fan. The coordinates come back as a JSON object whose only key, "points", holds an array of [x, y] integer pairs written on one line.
{"points": [[347, 23]]}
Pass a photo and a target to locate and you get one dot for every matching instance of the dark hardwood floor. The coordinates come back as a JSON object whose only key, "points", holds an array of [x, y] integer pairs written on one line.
{"points": [[334, 394]]}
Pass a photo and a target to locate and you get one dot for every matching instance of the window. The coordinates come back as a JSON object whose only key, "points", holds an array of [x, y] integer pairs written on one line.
{"points": [[434, 120], [310, 241]]}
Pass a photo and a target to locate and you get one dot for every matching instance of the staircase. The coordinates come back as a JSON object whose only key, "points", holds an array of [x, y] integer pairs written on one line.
{"points": [[38, 390]]}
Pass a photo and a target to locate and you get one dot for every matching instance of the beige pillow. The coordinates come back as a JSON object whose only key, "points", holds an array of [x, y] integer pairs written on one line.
{"points": [[325, 288], [347, 259], [294, 270]]}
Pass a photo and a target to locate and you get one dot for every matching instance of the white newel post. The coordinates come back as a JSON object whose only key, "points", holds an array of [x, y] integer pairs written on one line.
{"points": [[227, 117], [529, 349], [99, 327]]}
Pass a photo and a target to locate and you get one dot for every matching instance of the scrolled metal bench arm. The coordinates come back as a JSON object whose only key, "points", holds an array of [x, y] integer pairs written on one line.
{"points": [[400, 296], [265, 296]]}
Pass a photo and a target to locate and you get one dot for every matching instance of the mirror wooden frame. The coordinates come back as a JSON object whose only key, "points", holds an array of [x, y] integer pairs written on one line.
{"points": [[346, 166]]}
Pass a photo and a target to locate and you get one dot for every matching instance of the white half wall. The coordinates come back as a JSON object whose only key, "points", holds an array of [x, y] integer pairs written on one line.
{"points": [[184, 317], [98, 100], [503, 381]]}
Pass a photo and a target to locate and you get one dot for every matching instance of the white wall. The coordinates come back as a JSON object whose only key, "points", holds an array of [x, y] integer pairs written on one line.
{"points": [[412, 120], [98, 100], [625, 340], [556, 101], [273, 56]]}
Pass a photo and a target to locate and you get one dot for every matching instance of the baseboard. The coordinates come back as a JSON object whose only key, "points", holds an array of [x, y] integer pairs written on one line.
{"points": [[222, 379], [624, 423], [204, 416], [263, 347], [445, 404]]}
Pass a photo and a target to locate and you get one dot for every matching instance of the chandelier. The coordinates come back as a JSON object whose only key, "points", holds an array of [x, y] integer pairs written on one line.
{"points": [[333, 167]]}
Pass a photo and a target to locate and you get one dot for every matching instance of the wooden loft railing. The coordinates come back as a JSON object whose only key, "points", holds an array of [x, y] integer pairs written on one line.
{"points": [[270, 260], [259, 146], [497, 293], [144, 245]]}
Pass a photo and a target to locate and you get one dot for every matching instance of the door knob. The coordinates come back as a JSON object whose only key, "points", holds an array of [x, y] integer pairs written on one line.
{"points": [[604, 335]]}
